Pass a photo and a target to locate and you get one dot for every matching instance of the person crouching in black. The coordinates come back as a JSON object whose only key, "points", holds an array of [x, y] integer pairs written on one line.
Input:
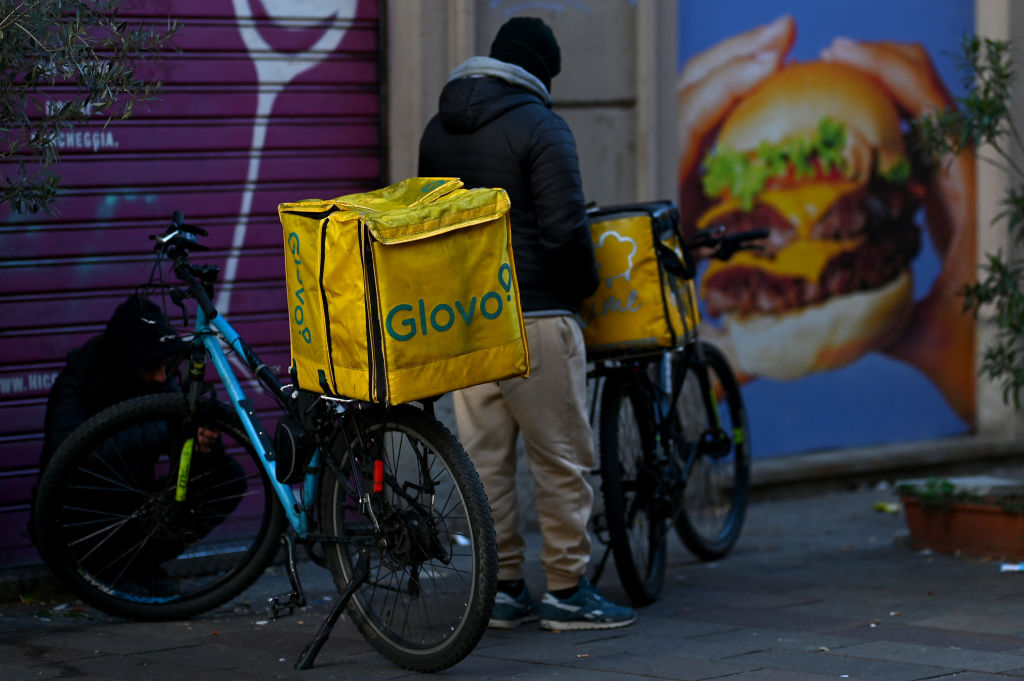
{"points": [[136, 355]]}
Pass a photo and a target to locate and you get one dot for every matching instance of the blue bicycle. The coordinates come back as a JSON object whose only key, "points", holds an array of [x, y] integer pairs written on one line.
{"points": [[169, 505]]}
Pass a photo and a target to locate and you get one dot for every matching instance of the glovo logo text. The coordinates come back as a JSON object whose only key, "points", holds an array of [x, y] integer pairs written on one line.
{"points": [[299, 311], [403, 322]]}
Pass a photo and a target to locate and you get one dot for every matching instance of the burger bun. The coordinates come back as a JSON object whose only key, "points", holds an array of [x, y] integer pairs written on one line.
{"points": [[795, 99], [824, 336]]}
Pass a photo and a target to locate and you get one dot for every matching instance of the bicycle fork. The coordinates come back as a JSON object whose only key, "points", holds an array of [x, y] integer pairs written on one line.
{"points": [[196, 372], [715, 442]]}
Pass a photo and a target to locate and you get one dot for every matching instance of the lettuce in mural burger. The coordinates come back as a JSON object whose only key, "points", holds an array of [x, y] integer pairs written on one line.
{"points": [[816, 155]]}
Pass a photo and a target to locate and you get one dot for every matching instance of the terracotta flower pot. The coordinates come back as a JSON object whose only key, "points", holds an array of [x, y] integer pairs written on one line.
{"points": [[971, 529]]}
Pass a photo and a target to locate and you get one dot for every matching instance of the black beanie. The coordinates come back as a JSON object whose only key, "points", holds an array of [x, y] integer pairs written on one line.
{"points": [[139, 335], [529, 43]]}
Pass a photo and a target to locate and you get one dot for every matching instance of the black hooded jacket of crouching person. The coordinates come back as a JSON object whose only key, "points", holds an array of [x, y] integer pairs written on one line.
{"points": [[495, 128], [135, 356], [105, 370]]}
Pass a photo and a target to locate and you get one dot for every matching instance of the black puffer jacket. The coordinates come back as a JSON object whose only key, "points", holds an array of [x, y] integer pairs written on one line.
{"points": [[490, 133]]}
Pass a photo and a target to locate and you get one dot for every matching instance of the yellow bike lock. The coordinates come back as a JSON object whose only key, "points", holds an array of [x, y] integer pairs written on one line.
{"points": [[184, 465]]}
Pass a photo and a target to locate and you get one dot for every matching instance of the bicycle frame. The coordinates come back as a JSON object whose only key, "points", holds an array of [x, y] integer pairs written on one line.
{"points": [[296, 512], [209, 334], [669, 384]]}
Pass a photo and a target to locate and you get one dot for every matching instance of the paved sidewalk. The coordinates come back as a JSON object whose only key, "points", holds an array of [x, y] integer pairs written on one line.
{"points": [[818, 587]]}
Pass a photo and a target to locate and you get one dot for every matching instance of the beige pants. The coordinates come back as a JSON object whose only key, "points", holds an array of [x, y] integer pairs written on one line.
{"points": [[550, 410]]}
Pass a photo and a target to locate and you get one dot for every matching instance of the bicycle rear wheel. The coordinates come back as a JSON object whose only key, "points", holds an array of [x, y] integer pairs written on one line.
{"points": [[433, 561], [635, 506], [714, 502], [108, 526]]}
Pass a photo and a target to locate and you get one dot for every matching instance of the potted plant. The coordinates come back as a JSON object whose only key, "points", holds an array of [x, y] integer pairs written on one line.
{"points": [[949, 518]]}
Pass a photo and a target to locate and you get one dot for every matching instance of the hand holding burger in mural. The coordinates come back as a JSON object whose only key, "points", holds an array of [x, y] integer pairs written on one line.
{"points": [[815, 152], [939, 338]]}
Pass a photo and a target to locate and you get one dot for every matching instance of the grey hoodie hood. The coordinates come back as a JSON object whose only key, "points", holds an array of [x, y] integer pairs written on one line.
{"points": [[478, 91], [474, 67]]}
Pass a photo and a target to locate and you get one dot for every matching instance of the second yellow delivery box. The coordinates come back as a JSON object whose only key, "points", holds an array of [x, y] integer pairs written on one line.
{"points": [[646, 299]]}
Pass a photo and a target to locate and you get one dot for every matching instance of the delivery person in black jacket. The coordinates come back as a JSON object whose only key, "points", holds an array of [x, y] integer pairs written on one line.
{"points": [[495, 128]]}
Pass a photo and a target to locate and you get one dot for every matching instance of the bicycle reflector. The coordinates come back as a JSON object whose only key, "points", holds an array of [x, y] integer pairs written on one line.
{"points": [[378, 476]]}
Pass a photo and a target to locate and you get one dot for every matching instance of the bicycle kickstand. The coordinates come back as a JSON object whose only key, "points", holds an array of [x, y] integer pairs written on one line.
{"points": [[296, 598], [359, 575]]}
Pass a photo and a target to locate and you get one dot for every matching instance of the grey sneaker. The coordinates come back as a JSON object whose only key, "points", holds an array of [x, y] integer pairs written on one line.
{"points": [[585, 609], [509, 612]]}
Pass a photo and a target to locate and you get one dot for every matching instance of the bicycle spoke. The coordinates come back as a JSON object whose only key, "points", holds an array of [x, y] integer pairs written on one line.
{"points": [[715, 459], [111, 527], [630, 487], [424, 570]]}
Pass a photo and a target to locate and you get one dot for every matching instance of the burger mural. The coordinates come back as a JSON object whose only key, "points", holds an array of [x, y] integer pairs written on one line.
{"points": [[816, 156], [845, 326]]}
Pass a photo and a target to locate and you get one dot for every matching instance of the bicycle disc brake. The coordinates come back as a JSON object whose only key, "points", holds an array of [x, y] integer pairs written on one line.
{"points": [[407, 538]]}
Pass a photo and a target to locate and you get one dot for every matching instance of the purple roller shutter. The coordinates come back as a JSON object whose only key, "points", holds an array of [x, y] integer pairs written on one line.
{"points": [[267, 101]]}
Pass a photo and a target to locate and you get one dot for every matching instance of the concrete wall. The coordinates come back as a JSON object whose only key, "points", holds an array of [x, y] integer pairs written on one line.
{"points": [[616, 88], [1001, 20]]}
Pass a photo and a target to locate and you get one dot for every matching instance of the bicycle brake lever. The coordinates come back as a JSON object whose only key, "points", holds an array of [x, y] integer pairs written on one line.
{"points": [[192, 229]]}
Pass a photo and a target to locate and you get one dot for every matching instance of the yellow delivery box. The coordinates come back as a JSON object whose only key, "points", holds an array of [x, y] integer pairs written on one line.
{"points": [[646, 299], [403, 293]]}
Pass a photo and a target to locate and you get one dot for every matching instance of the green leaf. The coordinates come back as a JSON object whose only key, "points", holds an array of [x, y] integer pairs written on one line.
{"points": [[91, 55], [744, 176]]}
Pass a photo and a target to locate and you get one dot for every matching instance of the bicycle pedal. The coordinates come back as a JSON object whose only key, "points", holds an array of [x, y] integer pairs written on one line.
{"points": [[281, 603]]}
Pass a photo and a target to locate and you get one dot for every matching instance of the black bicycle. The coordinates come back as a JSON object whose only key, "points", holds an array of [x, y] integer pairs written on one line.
{"points": [[168, 505], [674, 447]]}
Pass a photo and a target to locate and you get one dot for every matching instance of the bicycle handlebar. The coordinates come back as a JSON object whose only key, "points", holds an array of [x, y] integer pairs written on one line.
{"points": [[178, 221], [724, 245], [180, 237], [183, 271], [176, 243]]}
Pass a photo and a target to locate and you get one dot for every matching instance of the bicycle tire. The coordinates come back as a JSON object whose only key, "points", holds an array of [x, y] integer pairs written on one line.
{"points": [[108, 527], [433, 563], [713, 507], [635, 512]]}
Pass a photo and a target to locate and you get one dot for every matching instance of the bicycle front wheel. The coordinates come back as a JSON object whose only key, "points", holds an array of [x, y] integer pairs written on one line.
{"points": [[635, 506], [717, 458], [425, 535], [109, 525]]}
